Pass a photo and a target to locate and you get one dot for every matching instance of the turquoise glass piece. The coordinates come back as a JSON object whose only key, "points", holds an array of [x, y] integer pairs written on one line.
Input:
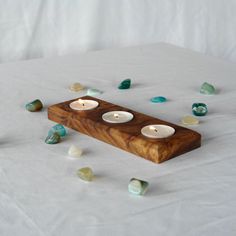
{"points": [[85, 174], [33, 106], [199, 109], [60, 129], [137, 186], [158, 99], [93, 92], [53, 138], [207, 89], [125, 84]]}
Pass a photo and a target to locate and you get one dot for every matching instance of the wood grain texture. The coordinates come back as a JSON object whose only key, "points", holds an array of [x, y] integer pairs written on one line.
{"points": [[126, 136]]}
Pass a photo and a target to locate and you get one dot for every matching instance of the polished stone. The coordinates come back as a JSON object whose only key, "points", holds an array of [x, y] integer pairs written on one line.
{"points": [[93, 92], [137, 186], [125, 84], [189, 120], [207, 88], [158, 99], [76, 87], [75, 151], [53, 138], [33, 106], [60, 129], [85, 173], [199, 109]]}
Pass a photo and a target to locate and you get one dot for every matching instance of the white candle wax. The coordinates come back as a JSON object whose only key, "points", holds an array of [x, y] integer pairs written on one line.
{"points": [[82, 105], [117, 116], [157, 131]]}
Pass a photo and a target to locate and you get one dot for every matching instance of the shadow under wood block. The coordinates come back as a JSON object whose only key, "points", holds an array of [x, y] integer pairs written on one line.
{"points": [[126, 136]]}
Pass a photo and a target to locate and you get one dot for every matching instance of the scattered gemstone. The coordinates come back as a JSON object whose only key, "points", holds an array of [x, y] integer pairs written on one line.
{"points": [[76, 87], [158, 99], [74, 151], [93, 92], [137, 186], [35, 105], [199, 109], [53, 138], [189, 120], [60, 129], [207, 89], [125, 84], [85, 173]]}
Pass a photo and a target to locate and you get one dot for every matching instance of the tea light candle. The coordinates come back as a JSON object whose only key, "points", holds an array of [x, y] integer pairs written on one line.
{"points": [[82, 105], [157, 131], [117, 116]]}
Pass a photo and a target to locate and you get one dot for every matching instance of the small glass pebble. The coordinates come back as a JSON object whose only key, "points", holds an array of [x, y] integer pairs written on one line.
{"points": [[137, 186], [74, 151], [60, 129], [35, 105], [189, 120], [76, 87], [93, 92], [158, 99], [199, 109], [207, 88], [85, 174], [125, 84], [53, 138]]}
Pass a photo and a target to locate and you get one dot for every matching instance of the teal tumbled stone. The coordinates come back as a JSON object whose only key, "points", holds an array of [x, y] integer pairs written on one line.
{"points": [[93, 92], [158, 99], [137, 186], [207, 88], [60, 129], [199, 109], [33, 106], [53, 138], [125, 84]]}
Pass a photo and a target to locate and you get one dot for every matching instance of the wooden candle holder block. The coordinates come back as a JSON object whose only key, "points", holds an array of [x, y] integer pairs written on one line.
{"points": [[126, 136]]}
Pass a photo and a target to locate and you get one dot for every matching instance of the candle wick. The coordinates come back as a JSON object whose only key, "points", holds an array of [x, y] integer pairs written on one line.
{"points": [[81, 102], [154, 129]]}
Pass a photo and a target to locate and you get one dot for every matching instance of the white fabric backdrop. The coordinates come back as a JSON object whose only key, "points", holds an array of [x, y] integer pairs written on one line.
{"points": [[42, 28], [191, 195]]}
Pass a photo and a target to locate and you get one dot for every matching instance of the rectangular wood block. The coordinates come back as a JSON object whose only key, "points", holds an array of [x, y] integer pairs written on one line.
{"points": [[126, 136]]}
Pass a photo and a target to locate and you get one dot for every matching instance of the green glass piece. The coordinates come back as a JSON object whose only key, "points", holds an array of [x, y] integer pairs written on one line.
{"points": [[85, 173], [35, 105], [199, 109], [59, 129], [53, 138], [207, 89], [93, 92], [137, 186], [158, 99], [125, 84]]}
